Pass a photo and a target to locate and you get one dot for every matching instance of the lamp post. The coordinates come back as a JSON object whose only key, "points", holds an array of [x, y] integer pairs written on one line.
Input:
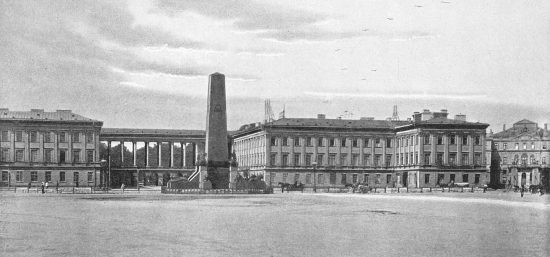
{"points": [[314, 177]]}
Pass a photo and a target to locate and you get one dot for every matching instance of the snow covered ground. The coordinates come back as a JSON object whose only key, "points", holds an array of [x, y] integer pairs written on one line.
{"points": [[295, 224]]}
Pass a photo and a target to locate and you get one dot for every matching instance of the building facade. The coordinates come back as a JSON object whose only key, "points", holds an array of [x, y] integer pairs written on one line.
{"points": [[61, 148], [520, 155], [426, 151]]}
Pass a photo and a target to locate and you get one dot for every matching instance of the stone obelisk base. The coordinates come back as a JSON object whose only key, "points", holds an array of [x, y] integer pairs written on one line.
{"points": [[219, 177], [203, 174], [232, 175]]}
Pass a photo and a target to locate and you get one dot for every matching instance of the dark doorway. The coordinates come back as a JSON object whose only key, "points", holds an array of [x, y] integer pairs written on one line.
{"points": [[405, 179]]}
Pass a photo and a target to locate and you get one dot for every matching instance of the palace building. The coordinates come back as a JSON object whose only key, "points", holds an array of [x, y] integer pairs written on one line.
{"points": [[56, 147], [520, 155], [428, 150]]}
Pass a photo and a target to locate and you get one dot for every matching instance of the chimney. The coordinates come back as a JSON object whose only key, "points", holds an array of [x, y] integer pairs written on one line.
{"points": [[460, 117], [503, 127], [321, 116]]}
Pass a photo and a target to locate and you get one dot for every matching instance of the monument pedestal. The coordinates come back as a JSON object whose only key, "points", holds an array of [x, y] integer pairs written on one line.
{"points": [[232, 176], [203, 174], [219, 177]]}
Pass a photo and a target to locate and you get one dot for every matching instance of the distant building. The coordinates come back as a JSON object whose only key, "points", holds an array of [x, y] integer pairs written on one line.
{"points": [[38, 146], [520, 155], [425, 151]]}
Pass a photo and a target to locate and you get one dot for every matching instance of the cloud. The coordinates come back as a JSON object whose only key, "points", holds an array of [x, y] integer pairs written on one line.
{"points": [[265, 20]]}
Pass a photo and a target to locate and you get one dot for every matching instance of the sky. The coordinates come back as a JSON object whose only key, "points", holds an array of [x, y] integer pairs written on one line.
{"points": [[145, 64]]}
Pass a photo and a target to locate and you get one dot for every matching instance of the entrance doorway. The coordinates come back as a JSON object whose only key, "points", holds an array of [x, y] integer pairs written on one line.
{"points": [[405, 179]]}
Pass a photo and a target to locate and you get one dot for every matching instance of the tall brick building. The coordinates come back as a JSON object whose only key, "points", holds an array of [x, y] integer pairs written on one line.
{"points": [[427, 150], [56, 147]]}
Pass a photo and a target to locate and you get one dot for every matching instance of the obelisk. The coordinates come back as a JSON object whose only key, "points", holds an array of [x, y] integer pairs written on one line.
{"points": [[217, 153]]}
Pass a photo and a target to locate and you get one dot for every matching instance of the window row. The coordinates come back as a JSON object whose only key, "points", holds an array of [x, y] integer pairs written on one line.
{"points": [[48, 156], [524, 160], [525, 146], [61, 176], [439, 140], [48, 137], [414, 159], [329, 141], [330, 160]]}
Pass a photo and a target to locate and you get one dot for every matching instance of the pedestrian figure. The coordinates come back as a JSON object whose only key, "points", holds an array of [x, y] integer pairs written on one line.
{"points": [[42, 187], [77, 183], [122, 187], [522, 190], [29, 187], [57, 187]]}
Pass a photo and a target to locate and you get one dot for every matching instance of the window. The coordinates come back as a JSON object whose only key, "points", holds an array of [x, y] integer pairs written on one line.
{"points": [[427, 158], [331, 142], [47, 137], [388, 179], [62, 155], [544, 147], [426, 178], [504, 146], [19, 155], [355, 143], [388, 160], [377, 179], [406, 140], [344, 159], [90, 177], [388, 143], [355, 159], [377, 142], [377, 158], [48, 155], [5, 176], [34, 137], [427, 139], [285, 141], [516, 159], [465, 159], [308, 178], [296, 141], [543, 160], [478, 140], [476, 178], [452, 159], [332, 159], [273, 159], [34, 155], [343, 142], [439, 159], [532, 159], [48, 176], [19, 136], [496, 145], [62, 138], [76, 156], [5, 155], [439, 140], [344, 179], [366, 178], [504, 160], [4, 136], [320, 141], [354, 178], [19, 176], [297, 159], [366, 143], [89, 137], [453, 139], [517, 146], [75, 177], [89, 156], [452, 178], [532, 145], [524, 146], [273, 141], [309, 141], [464, 140], [477, 159], [62, 176], [440, 178], [465, 178], [332, 178], [76, 137], [366, 159], [297, 177], [34, 176], [320, 179], [319, 159], [308, 159]]}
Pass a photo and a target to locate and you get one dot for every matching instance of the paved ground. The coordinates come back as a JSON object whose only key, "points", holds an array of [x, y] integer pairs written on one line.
{"points": [[295, 224]]}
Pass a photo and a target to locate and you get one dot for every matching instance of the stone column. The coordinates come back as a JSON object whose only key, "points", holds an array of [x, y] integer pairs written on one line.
{"points": [[134, 151], [12, 143], [384, 152], [527, 179], [433, 154], [421, 149], [121, 153], [471, 149], [159, 153], [171, 154], [146, 154], [373, 153], [183, 155], [482, 142], [446, 149], [459, 150]]}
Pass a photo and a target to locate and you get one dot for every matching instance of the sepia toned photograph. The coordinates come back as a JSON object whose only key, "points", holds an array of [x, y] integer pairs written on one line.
{"points": [[274, 128]]}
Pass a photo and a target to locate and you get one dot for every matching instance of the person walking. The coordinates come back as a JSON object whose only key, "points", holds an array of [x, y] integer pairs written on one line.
{"points": [[522, 190], [122, 187], [42, 187], [57, 187], [29, 187]]}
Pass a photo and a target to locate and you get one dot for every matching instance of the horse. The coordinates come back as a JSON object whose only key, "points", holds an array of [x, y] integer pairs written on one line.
{"points": [[291, 187]]}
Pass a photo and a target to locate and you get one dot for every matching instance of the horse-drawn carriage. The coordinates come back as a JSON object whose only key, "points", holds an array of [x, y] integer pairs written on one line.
{"points": [[291, 187]]}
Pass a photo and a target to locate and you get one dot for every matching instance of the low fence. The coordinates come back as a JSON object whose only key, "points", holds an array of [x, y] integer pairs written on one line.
{"points": [[390, 190], [166, 190]]}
